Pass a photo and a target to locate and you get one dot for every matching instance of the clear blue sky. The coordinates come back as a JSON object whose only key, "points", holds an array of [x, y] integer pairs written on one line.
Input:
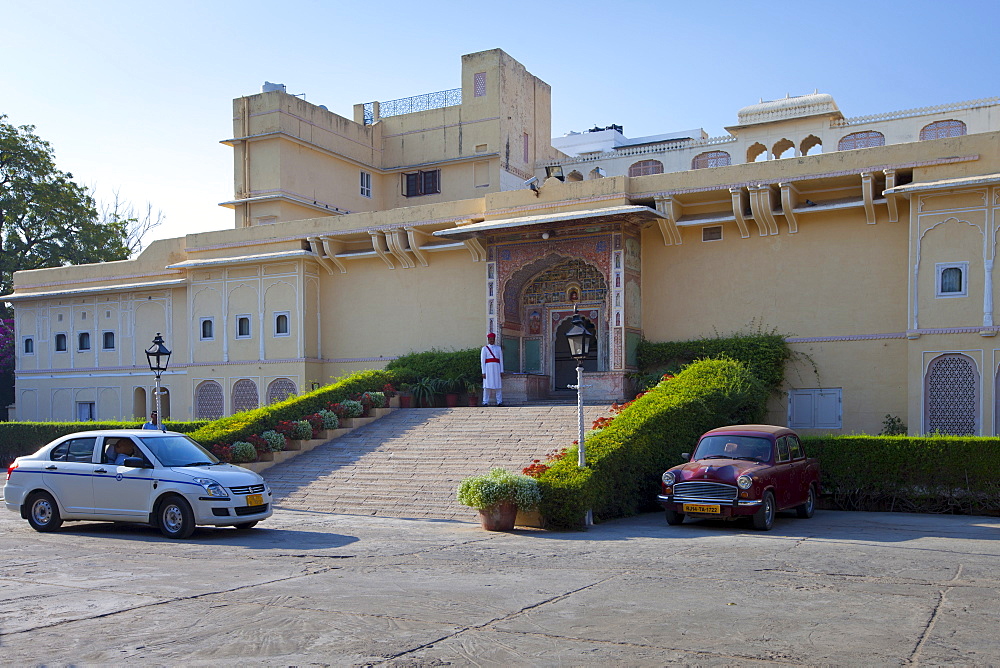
{"points": [[135, 96]]}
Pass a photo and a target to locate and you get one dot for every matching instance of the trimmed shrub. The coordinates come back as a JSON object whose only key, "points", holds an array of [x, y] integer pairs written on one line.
{"points": [[24, 438], [351, 408], [764, 354], [460, 364], [626, 458], [242, 452], [920, 474], [239, 426], [274, 440]]}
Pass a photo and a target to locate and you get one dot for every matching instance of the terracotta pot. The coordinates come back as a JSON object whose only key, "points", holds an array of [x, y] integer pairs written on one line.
{"points": [[451, 400], [473, 400], [405, 401], [499, 517]]}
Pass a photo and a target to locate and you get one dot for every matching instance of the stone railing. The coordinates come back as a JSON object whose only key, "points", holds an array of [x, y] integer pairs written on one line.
{"points": [[645, 149], [920, 111]]}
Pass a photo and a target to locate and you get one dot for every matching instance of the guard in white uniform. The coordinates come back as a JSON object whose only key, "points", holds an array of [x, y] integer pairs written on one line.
{"points": [[491, 361]]}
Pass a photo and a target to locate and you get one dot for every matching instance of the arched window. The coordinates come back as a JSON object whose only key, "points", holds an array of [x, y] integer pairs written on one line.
{"points": [[942, 129], [60, 343], [809, 143], [209, 403], [281, 324], [83, 341], [866, 139], [280, 389], [782, 148], [108, 342], [952, 396], [207, 329], [645, 168], [29, 346], [244, 395], [757, 153], [574, 176], [597, 173], [711, 159]]}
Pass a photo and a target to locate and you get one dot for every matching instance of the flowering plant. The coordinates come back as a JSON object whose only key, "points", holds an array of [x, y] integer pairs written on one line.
{"points": [[498, 486], [259, 444], [351, 408], [536, 468], [330, 419], [223, 452], [388, 390], [376, 399]]}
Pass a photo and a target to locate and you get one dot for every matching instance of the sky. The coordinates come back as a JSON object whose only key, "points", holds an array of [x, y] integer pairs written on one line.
{"points": [[135, 96]]}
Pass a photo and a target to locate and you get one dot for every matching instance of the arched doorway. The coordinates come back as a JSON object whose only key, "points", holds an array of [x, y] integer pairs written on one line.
{"points": [[564, 365], [139, 403]]}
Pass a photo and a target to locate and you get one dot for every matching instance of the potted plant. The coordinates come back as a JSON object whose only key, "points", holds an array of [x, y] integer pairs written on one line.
{"points": [[405, 396], [498, 495], [424, 392], [452, 386], [474, 390]]}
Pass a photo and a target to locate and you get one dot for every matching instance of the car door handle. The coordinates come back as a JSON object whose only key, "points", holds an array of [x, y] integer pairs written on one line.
{"points": [[51, 467], [100, 470]]}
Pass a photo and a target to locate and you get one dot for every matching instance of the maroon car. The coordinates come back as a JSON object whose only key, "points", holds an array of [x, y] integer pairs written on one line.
{"points": [[747, 470]]}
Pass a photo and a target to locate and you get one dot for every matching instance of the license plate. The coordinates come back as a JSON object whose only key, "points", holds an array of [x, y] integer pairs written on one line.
{"points": [[702, 508], [255, 499]]}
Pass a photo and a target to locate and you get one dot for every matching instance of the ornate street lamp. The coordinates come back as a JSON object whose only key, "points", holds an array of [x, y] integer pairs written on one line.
{"points": [[579, 338], [158, 357]]}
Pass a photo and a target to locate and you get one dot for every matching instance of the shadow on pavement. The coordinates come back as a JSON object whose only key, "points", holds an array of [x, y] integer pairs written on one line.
{"points": [[258, 538]]}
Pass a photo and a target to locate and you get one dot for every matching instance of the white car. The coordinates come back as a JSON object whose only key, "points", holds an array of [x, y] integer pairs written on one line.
{"points": [[169, 481]]}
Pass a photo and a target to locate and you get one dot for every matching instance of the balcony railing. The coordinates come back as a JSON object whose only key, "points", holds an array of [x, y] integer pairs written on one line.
{"points": [[409, 105]]}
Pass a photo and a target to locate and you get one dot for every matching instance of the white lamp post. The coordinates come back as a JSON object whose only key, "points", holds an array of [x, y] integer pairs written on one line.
{"points": [[579, 337], [158, 357]]}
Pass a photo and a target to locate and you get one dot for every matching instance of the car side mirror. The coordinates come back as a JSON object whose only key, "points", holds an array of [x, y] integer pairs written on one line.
{"points": [[686, 456], [136, 463]]}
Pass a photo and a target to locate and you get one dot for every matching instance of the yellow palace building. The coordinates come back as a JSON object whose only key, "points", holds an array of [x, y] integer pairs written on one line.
{"points": [[428, 221]]}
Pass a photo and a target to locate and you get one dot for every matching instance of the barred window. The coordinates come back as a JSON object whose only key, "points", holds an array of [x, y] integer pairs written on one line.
{"points": [[244, 395], [711, 159], [479, 84], [952, 396], [422, 183], [645, 168], [942, 129], [866, 139], [280, 389], [209, 402]]}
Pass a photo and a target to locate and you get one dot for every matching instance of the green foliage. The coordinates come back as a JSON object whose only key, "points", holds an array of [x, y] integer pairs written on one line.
{"points": [[24, 438], [893, 426], [330, 419], [46, 219], [928, 474], [764, 353], [377, 399], [426, 390], [626, 458], [497, 486], [241, 425], [457, 365], [302, 430], [275, 441], [243, 452], [352, 408]]}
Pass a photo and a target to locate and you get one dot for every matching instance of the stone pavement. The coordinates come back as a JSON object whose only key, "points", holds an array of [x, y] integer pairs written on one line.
{"points": [[408, 463], [307, 588]]}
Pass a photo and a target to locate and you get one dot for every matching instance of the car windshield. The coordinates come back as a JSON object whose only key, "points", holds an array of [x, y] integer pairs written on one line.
{"points": [[730, 446], [176, 450]]}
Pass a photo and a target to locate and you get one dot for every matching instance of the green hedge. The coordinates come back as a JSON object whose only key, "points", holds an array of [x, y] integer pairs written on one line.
{"points": [[764, 353], [237, 427], [626, 458], [24, 438], [933, 474], [459, 364]]}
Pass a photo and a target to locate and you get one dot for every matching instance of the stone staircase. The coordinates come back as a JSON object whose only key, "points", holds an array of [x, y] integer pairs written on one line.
{"points": [[408, 463]]}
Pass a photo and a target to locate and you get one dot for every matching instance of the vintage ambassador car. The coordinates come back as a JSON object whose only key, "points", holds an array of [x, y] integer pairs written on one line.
{"points": [[748, 470], [160, 478]]}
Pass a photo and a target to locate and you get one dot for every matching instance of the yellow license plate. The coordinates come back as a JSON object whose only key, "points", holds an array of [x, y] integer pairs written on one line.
{"points": [[702, 508], [255, 499]]}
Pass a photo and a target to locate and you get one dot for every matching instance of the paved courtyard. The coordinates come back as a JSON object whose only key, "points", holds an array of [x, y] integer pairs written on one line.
{"points": [[310, 588]]}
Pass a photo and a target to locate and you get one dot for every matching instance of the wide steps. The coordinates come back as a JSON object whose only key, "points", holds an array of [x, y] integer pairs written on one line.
{"points": [[408, 463]]}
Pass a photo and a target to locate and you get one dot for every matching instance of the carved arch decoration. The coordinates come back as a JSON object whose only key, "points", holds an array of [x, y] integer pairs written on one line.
{"points": [[245, 395], [209, 401], [781, 147], [942, 129], [809, 143], [532, 273], [757, 153]]}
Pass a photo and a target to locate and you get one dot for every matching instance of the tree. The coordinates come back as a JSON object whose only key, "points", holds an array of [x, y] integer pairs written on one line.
{"points": [[6, 365], [138, 221], [46, 219]]}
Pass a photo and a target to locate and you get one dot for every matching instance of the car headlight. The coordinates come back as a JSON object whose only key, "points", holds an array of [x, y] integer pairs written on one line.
{"points": [[212, 488], [668, 478], [744, 482]]}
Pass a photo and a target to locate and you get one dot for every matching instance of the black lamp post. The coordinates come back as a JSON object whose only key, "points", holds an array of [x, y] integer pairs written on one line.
{"points": [[158, 357], [579, 338]]}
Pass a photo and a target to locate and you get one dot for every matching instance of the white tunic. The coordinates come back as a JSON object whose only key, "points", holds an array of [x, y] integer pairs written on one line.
{"points": [[492, 370]]}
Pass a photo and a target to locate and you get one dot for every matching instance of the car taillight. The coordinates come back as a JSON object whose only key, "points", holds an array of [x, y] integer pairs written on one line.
{"points": [[10, 469]]}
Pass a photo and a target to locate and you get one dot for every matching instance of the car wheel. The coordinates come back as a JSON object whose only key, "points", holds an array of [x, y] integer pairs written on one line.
{"points": [[806, 510], [174, 517], [43, 512], [674, 518], [245, 525], [763, 519]]}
